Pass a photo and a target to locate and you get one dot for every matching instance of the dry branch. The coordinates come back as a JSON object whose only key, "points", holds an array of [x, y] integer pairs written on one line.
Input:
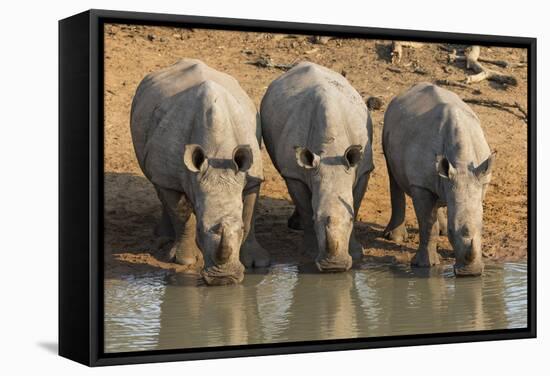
{"points": [[502, 63], [504, 106], [267, 62], [394, 70], [451, 83], [397, 49], [472, 59]]}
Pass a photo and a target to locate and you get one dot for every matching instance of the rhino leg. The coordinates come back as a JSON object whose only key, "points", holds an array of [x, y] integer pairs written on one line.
{"points": [[184, 250], [301, 197], [355, 247], [395, 230], [294, 221], [164, 228], [442, 220], [252, 253], [426, 213]]}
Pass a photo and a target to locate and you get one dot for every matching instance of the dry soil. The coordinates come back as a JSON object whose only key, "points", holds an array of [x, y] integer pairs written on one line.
{"points": [[131, 205]]}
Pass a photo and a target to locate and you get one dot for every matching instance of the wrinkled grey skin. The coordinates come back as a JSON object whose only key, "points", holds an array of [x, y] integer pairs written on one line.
{"points": [[196, 136], [437, 154], [318, 133]]}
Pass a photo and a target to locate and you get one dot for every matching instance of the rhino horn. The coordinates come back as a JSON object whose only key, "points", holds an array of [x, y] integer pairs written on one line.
{"points": [[331, 243], [224, 248]]}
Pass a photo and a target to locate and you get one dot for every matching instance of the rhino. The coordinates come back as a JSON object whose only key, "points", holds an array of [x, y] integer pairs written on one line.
{"points": [[437, 154], [196, 135], [318, 133]]}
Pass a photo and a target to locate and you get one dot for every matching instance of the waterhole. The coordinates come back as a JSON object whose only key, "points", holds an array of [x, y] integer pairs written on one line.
{"points": [[288, 303]]}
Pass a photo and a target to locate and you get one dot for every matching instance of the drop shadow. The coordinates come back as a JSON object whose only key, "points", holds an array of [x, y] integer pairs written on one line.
{"points": [[132, 210], [51, 347]]}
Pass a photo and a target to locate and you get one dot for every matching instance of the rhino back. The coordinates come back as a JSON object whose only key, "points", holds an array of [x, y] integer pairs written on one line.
{"points": [[315, 107], [187, 103], [424, 122]]}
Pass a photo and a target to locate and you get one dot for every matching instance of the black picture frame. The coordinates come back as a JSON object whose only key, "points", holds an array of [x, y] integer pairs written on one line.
{"points": [[81, 187]]}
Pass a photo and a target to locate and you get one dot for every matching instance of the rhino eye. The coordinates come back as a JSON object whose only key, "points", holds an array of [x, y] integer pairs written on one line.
{"points": [[216, 229]]}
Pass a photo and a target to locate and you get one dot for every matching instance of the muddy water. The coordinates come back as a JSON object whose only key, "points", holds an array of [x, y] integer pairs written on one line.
{"points": [[291, 303]]}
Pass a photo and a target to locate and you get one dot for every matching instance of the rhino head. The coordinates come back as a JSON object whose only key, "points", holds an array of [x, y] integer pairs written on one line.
{"points": [[464, 189], [217, 185], [331, 176]]}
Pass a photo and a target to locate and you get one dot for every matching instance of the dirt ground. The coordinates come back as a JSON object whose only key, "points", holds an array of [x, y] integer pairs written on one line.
{"points": [[131, 205]]}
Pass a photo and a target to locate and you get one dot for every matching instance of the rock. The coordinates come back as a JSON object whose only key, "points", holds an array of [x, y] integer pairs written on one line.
{"points": [[317, 39], [375, 103], [420, 71], [151, 37]]}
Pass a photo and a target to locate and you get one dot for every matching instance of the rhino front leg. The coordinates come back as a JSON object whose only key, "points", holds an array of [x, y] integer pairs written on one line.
{"points": [[301, 197], [294, 221], [184, 250], [442, 220], [164, 231], [395, 230], [426, 213], [164, 228], [252, 253], [355, 247]]}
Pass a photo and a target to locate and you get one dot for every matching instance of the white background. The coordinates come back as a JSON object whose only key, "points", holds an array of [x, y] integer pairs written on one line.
{"points": [[28, 185]]}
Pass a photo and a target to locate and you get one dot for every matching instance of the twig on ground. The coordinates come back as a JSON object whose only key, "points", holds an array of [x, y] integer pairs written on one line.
{"points": [[446, 82], [504, 106], [502, 63], [267, 62], [394, 69]]}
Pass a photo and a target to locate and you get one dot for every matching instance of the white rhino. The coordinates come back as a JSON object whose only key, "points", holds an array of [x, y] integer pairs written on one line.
{"points": [[318, 132], [196, 135], [436, 153]]}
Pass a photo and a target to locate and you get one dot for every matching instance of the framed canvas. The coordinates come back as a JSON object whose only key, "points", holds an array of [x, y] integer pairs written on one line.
{"points": [[234, 187]]}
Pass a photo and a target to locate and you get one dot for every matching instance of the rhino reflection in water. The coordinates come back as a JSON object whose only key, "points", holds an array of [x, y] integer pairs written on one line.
{"points": [[277, 307], [256, 311], [288, 304]]}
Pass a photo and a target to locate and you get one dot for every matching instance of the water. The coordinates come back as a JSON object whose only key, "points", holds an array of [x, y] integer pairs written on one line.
{"points": [[291, 303]]}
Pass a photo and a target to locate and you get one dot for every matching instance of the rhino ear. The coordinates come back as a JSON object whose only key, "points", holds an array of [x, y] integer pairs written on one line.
{"points": [[486, 167], [353, 155], [194, 158], [242, 158], [444, 167], [306, 158]]}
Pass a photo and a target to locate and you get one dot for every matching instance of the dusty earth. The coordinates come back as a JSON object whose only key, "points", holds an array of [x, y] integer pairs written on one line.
{"points": [[131, 205]]}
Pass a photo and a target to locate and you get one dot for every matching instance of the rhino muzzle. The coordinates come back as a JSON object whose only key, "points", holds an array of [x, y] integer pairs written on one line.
{"points": [[227, 268], [469, 263], [336, 258], [226, 274]]}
